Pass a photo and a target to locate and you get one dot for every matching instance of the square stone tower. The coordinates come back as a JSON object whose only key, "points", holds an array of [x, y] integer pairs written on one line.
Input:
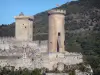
{"points": [[56, 30], [24, 27]]}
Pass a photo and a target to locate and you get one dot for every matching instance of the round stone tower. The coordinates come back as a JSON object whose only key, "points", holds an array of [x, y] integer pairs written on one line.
{"points": [[24, 27], [56, 30]]}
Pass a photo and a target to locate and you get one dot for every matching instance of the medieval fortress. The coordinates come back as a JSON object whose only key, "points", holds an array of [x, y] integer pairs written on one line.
{"points": [[22, 51]]}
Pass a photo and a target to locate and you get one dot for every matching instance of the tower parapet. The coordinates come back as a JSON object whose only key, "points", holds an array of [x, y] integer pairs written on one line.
{"points": [[57, 11], [22, 16]]}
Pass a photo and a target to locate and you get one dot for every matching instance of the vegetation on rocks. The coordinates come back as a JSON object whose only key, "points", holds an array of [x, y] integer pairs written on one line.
{"points": [[10, 70]]}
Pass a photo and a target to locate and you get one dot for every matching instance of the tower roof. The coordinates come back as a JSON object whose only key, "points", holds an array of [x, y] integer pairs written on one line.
{"points": [[21, 14]]}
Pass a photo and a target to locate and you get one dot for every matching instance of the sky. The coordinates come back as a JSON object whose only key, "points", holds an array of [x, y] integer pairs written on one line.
{"points": [[11, 8]]}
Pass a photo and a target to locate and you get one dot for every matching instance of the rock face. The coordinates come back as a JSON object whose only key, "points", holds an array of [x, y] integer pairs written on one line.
{"points": [[34, 54], [60, 67]]}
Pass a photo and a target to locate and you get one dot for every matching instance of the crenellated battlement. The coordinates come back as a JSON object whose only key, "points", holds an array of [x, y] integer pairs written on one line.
{"points": [[57, 11]]}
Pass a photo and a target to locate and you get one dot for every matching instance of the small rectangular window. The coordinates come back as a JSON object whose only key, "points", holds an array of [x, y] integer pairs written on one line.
{"points": [[59, 34]]}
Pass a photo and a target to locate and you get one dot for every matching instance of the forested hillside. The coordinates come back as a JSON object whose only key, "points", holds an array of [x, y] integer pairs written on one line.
{"points": [[82, 29]]}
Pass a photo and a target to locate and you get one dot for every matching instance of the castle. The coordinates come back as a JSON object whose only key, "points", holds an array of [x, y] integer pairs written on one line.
{"points": [[22, 51]]}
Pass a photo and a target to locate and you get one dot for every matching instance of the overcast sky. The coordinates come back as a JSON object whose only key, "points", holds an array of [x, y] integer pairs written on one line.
{"points": [[10, 8]]}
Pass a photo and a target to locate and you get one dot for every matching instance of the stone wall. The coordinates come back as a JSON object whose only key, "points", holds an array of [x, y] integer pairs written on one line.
{"points": [[33, 54], [10, 43]]}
